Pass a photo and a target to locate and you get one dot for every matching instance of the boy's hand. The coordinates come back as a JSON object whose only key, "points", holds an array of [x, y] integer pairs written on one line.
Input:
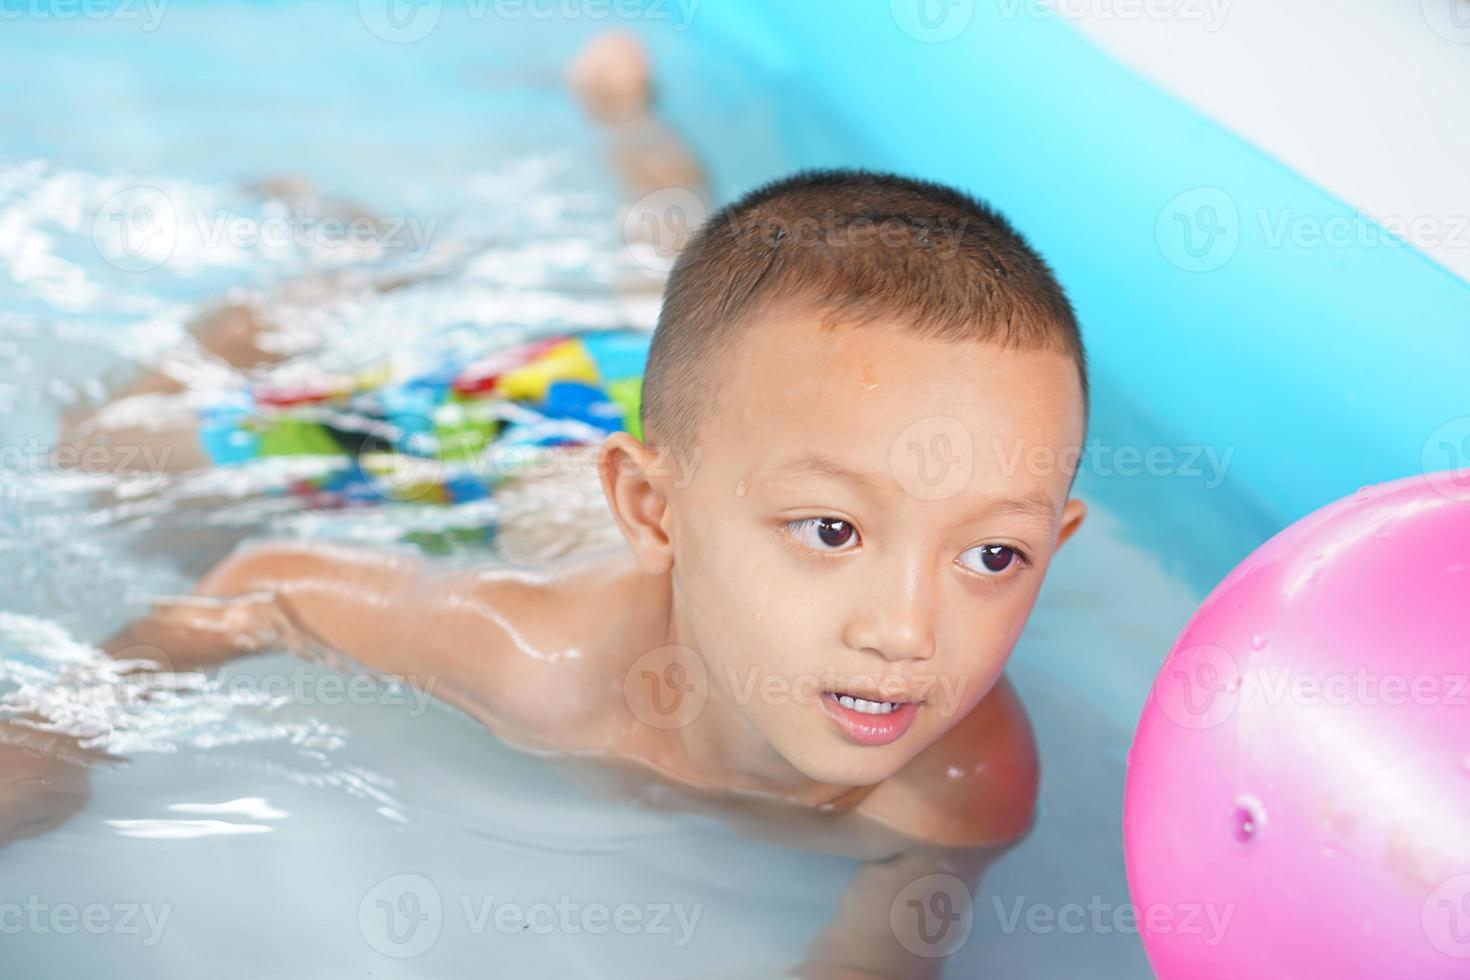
{"points": [[43, 780], [189, 632]]}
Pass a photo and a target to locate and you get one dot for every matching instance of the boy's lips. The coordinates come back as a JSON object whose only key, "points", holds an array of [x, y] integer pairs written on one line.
{"points": [[869, 728], [870, 693]]}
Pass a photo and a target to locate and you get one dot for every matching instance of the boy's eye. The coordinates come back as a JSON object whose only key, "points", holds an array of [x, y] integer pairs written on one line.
{"points": [[822, 533], [993, 558]]}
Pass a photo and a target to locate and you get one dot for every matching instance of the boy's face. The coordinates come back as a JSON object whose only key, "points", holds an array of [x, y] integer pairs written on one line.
{"points": [[909, 580]]}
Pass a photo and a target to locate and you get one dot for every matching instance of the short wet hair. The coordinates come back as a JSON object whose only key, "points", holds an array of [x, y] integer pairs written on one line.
{"points": [[864, 245]]}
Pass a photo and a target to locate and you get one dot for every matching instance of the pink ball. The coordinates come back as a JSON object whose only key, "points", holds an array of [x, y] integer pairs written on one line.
{"points": [[1298, 796]]}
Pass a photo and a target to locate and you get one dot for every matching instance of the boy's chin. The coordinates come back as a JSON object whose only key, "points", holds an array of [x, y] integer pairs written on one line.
{"points": [[831, 760]]}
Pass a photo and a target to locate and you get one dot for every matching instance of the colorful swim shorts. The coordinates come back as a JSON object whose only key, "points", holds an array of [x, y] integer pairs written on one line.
{"points": [[447, 435]]}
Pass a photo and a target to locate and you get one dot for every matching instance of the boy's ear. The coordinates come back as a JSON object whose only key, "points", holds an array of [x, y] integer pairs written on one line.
{"points": [[637, 500], [1072, 516]]}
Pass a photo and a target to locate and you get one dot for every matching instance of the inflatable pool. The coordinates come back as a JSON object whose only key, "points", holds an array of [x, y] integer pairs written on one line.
{"points": [[1159, 221], [1243, 378]]}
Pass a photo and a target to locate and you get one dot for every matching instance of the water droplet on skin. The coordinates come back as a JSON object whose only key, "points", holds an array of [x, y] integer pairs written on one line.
{"points": [[1247, 818], [740, 489], [955, 772], [1258, 642]]}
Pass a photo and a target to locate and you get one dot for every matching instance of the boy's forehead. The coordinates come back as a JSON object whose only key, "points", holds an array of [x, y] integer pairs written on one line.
{"points": [[869, 394], [820, 370]]}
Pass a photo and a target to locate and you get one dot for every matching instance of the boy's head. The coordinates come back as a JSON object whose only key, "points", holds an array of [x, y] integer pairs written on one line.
{"points": [[862, 410]]}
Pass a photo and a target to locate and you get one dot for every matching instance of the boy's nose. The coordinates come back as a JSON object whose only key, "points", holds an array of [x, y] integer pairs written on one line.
{"points": [[895, 616]]}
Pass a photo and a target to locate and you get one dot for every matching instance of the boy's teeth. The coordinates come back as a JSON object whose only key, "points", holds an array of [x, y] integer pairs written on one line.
{"points": [[866, 706]]}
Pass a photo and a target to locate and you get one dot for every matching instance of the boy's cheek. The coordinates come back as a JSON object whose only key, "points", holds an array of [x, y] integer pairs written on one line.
{"points": [[960, 680]]}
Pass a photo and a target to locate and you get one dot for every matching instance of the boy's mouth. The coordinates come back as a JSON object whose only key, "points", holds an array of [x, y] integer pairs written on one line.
{"points": [[868, 721]]}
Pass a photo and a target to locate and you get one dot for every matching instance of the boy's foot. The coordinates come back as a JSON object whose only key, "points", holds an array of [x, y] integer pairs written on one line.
{"points": [[611, 77]]}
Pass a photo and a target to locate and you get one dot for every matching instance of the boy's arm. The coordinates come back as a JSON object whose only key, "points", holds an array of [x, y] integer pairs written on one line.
{"points": [[461, 635]]}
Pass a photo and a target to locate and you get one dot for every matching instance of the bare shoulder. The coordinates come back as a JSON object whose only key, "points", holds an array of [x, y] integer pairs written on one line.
{"points": [[561, 639], [975, 787]]}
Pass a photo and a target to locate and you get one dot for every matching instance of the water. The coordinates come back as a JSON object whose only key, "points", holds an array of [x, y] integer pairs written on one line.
{"points": [[264, 820]]}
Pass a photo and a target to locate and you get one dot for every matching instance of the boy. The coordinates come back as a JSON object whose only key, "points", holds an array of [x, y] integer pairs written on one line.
{"points": [[861, 415]]}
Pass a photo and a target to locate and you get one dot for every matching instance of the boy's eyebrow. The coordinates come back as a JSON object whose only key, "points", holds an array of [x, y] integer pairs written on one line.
{"points": [[1036, 506]]}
